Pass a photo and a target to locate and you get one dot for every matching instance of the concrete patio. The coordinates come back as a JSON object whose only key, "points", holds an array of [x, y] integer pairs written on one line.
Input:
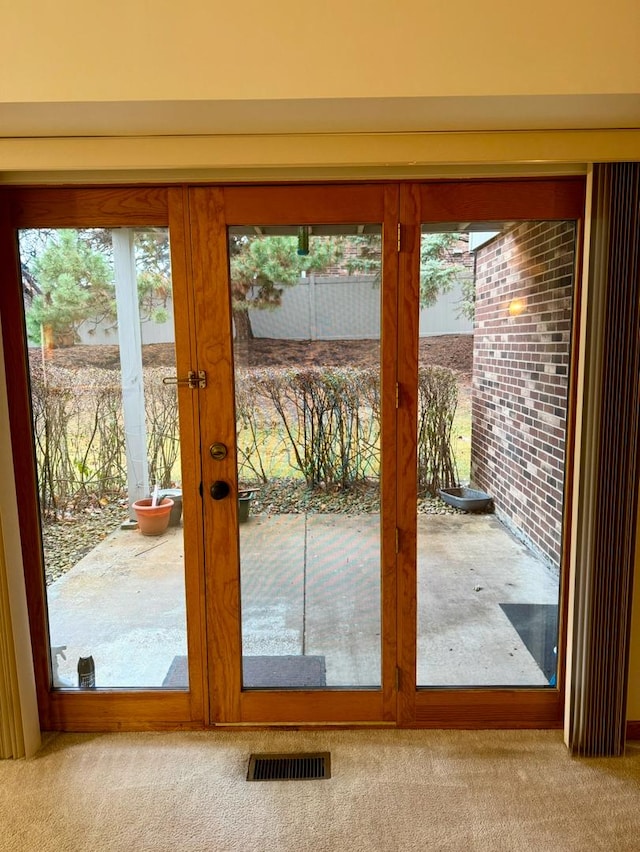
{"points": [[310, 586]]}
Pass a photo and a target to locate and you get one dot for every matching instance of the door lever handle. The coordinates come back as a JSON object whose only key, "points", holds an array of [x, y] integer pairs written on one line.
{"points": [[220, 489]]}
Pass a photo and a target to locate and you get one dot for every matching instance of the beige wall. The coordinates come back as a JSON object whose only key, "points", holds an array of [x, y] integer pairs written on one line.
{"points": [[128, 50]]}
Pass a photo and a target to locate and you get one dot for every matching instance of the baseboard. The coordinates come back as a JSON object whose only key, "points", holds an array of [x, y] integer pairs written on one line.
{"points": [[633, 730]]}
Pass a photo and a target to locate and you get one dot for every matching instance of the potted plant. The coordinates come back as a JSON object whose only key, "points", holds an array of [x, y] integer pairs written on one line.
{"points": [[153, 514]]}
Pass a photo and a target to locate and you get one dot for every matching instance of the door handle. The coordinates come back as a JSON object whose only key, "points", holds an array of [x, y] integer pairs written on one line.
{"points": [[220, 489]]}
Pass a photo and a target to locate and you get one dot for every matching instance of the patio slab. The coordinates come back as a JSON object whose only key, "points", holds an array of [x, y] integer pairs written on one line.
{"points": [[310, 586], [123, 603], [468, 565], [272, 557], [343, 597]]}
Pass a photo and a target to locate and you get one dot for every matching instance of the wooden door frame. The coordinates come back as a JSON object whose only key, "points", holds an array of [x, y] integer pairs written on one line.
{"points": [[451, 200], [104, 709]]}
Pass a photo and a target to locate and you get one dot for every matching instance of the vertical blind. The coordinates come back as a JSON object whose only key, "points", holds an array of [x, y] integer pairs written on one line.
{"points": [[605, 543]]}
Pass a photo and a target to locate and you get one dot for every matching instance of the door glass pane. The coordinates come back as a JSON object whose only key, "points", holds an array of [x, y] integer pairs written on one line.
{"points": [[493, 394], [100, 333], [306, 310]]}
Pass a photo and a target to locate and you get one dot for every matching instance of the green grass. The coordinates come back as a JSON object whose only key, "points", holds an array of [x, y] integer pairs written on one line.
{"points": [[461, 434], [275, 455]]}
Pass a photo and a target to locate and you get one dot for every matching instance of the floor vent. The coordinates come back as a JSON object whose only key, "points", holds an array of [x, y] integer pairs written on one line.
{"points": [[289, 767]]}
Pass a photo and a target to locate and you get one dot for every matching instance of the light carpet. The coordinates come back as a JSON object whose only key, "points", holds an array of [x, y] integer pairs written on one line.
{"points": [[390, 790]]}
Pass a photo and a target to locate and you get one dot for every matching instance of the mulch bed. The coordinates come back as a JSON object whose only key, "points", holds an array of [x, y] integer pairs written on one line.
{"points": [[454, 351]]}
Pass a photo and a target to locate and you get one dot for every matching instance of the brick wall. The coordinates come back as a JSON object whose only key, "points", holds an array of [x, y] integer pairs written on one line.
{"points": [[520, 377]]}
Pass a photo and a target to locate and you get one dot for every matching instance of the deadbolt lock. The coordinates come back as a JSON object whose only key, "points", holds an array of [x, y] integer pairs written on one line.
{"points": [[218, 451]]}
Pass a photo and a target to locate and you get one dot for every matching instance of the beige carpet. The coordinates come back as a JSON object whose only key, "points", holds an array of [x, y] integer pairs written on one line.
{"points": [[390, 790]]}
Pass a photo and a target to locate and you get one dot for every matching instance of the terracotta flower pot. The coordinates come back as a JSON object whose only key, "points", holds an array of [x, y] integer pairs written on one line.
{"points": [[153, 520]]}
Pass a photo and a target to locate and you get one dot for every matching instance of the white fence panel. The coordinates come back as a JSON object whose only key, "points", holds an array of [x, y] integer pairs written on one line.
{"points": [[443, 317], [347, 308], [151, 332], [290, 321], [316, 308]]}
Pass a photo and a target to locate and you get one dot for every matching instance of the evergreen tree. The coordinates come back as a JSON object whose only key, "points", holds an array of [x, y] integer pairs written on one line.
{"points": [[75, 283], [153, 264], [261, 267], [438, 268], [68, 280]]}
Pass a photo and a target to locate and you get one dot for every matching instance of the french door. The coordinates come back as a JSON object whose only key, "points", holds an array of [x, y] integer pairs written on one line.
{"points": [[301, 602], [324, 580]]}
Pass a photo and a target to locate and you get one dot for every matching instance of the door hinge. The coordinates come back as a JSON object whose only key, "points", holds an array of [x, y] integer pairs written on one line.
{"points": [[195, 380], [397, 394], [399, 237], [398, 678], [397, 540]]}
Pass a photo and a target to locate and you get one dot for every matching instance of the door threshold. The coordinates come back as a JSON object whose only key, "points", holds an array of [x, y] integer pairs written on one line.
{"points": [[293, 726]]}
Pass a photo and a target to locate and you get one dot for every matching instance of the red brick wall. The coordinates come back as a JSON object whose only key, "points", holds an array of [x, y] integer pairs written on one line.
{"points": [[520, 377]]}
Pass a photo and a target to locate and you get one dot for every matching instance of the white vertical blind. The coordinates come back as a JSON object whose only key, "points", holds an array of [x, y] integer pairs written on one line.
{"points": [[609, 465]]}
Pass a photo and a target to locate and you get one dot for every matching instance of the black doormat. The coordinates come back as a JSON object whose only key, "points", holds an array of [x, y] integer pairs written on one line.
{"points": [[292, 671], [537, 626]]}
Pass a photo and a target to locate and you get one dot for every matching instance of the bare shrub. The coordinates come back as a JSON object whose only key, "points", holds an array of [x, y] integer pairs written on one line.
{"points": [[260, 437], [326, 421], [163, 438], [79, 439], [330, 417], [331, 420]]}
